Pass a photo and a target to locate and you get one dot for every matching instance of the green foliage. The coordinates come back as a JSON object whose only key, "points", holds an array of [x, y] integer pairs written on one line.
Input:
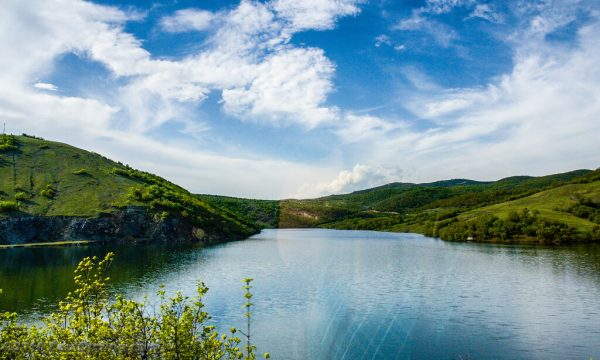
{"points": [[90, 324], [525, 223], [168, 202], [8, 143], [248, 314], [460, 209], [7, 206], [43, 167], [22, 196], [264, 213], [49, 192], [586, 209]]}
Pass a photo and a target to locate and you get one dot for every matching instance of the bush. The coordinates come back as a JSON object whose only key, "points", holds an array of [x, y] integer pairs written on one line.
{"points": [[89, 325], [6, 206], [8, 143], [49, 192], [586, 209], [22, 196]]}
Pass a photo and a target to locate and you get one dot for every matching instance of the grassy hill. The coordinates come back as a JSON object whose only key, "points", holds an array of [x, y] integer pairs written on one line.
{"points": [[44, 179], [553, 204], [40, 178], [555, 208]]}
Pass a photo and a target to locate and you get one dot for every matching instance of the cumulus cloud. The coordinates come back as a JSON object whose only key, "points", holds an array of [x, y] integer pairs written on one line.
{"points": [[187, 20], [288, 85], [359, 177], [246, 57]]}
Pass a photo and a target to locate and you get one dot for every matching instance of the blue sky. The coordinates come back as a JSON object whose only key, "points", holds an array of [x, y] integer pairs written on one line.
{"points": [[285, 98]]}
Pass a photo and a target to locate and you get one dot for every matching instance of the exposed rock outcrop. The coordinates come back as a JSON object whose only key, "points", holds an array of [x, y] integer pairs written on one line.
{"points": [[132, 223]]}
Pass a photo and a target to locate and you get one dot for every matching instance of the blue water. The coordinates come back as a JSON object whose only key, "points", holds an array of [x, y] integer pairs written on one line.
{"points": [[326, 294]]}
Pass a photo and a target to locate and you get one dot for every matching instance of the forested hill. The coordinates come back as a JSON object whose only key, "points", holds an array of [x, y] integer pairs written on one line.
{"points": [[51, 191], [555, 208]]}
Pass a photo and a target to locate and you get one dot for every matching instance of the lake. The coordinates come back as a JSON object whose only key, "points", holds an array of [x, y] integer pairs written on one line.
{"points": [[328, 294]]}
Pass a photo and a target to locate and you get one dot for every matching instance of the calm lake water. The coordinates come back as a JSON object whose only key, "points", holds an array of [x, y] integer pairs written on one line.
{"points": [[326, 294]]}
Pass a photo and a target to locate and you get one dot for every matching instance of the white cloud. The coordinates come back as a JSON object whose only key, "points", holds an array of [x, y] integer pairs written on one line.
{"points": [[444, 6], [449, 102], [288, 85], [359, 177], [441, 32], [357, 128], [245, 58], [382, 40], [187, 20], [540, 118], [386, 40], [45, 86], [486, 12], [314, 14]]}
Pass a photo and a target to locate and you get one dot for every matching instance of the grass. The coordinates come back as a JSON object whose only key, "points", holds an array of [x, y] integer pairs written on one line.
{"points": [[38, 163], [425, 208], [550, 203], [48, 178]]}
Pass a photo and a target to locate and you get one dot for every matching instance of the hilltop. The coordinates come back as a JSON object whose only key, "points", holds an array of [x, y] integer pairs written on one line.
{"points": [[52, 191]]}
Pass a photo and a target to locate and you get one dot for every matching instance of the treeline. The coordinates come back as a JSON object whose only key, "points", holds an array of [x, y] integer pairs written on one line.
{"points": [[517, 225], [91, 324], [264, 213], [435, 210], [586, 209], [169, 201]]}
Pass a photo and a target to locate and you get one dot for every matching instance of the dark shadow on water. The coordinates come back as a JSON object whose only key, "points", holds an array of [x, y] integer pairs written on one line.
{"points": [[37, 278]]}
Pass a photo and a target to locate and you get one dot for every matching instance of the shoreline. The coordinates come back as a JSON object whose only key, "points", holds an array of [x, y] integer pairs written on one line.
{"points": [[50, 244]]}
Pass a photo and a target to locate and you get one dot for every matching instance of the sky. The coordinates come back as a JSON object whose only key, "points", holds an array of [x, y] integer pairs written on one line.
{"points": [[284, 98]]}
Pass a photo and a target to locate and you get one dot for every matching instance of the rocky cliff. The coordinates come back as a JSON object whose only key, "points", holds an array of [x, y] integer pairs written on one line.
{"points": [[132, 223]]}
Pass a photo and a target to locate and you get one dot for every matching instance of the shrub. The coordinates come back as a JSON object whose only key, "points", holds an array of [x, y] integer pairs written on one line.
{"points": [[6, 206], [8, 143], [49, 192], [22, 196], [90, 325]]}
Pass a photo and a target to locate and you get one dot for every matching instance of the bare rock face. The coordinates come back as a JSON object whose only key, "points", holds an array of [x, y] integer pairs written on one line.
{"points": [[130, 224]]}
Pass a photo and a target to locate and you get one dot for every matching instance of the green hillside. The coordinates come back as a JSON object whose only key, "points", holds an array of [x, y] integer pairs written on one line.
{"points": [[42, 179], [555, 208], [50, 179], [553, 204]]}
